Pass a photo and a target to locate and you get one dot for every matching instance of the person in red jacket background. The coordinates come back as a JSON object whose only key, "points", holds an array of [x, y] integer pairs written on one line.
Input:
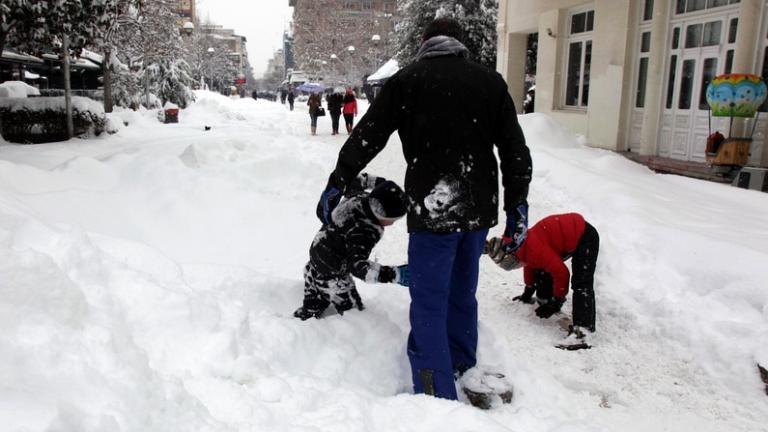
{"points": [[549, 243], [350, 109]]}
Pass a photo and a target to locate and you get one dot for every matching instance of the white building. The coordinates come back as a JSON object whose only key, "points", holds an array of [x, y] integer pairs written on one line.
{"points": [[631, 74]]}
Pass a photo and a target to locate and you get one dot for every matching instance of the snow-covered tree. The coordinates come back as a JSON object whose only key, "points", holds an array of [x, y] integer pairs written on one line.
{"points": [[477, 17], [48, 25], [150, 45], [210, 59]]}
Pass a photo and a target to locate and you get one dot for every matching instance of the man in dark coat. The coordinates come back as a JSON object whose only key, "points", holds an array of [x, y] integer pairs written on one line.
{"points": [[449, 113], [291, 98], [335, 102]]}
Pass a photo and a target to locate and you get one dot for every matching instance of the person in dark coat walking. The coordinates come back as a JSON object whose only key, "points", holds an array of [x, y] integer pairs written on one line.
{"points": [[291, 97], [350, 109], [549, 243], [341, 247], [335, 103], [450, 113]]}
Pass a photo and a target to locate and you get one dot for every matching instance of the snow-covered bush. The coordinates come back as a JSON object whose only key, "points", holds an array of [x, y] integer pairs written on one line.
{"points": [[43, 119], [17, 89]]}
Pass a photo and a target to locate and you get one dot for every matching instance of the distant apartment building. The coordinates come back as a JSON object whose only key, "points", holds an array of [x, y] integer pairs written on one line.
{"points": [[631, 75], [187, 11], [234, 42], [342, 41]]}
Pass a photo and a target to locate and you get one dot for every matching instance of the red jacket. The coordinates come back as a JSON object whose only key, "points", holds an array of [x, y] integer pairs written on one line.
{"points": [[551, 241], [350, 104]]}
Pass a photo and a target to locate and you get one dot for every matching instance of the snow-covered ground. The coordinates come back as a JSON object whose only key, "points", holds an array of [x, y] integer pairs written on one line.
{"points": [[148, 280]]}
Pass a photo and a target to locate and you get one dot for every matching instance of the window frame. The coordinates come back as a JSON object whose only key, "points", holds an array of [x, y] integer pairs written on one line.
{"points": [[708, 6], [638, 67], [583, 38]]}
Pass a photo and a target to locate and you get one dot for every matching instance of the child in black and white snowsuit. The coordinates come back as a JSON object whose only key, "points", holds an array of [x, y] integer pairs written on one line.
{"points": [[341, 249]]}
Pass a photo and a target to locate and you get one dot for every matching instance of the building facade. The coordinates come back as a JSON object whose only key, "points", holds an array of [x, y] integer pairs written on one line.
{"points": [[631, 75], [234, 43], [187, 10], [342, 41]]}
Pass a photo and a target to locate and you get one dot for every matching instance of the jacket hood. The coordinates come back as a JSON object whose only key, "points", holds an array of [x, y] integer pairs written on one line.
{"points": [[440, 46]]}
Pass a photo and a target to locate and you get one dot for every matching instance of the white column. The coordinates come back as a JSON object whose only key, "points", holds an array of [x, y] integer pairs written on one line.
{"points": [[654, 92], [747, 39], [747, 36], [517, 46]]}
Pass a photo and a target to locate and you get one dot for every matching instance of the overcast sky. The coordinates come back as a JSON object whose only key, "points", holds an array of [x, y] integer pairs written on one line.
{"points": [[261, 21]]}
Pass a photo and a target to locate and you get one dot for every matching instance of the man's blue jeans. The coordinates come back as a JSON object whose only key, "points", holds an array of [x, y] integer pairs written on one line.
{"points": [[443, 340]]}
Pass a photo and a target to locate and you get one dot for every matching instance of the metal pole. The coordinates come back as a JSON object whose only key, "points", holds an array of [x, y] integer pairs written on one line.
{"points": [[67, 88], [754, 125]]}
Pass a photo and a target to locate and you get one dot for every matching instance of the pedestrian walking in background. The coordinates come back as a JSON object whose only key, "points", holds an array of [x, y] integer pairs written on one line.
{"points": [[350, 109], [291, 97], [450, 113], [335, 102], [314, 103]]}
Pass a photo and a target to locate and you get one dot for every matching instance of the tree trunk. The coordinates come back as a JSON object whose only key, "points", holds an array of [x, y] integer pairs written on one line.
{"points": [[108, 101], [67, 87], [146, 87]]}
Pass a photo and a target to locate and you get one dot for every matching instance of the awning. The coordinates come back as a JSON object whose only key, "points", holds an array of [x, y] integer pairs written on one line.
{"points": [[13, 56], [390, 68]]}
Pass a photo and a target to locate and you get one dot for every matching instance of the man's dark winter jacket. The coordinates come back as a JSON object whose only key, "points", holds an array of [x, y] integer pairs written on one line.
{"points": [[449, 113], [343, 247], [335, 102]]}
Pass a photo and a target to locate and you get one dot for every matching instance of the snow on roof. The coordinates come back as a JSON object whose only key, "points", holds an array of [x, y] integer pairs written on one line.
{"points": [[81, 62], [390, 68], [8, 55], [92, 56], [17, 89]]}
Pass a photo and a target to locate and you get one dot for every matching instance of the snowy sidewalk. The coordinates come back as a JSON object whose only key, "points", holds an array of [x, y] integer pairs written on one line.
{"points": [[148, 280]]}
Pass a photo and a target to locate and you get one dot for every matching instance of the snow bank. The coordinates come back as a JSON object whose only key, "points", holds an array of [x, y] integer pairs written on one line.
{"points": [[543, 131], [148, 282], [17, 89]]}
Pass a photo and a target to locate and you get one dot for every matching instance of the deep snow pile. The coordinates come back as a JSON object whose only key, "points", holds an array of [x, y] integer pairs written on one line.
{"points": [[147, 282]]}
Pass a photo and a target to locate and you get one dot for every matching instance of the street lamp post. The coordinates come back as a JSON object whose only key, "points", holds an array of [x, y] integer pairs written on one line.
{"points": [[350, 75], [375, 39], [334, 67]]}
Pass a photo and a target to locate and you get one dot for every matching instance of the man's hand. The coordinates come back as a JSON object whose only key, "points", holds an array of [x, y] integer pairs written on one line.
{"points": [[516, 230], [402, 275], [526, 296], [550, 308], [329, 199]]}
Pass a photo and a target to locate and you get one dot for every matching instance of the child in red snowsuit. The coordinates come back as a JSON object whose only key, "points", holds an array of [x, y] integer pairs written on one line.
{"points": [[549, 243]]}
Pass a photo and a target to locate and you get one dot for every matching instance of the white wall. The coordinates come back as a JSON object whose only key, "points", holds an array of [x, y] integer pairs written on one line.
{"points": [[604, 122]]}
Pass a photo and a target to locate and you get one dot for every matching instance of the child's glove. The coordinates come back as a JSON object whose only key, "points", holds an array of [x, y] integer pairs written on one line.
{"points": [[496, 250], [526, 296], [329, 199], [402, 275], [517, 227], [550, 308]]}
